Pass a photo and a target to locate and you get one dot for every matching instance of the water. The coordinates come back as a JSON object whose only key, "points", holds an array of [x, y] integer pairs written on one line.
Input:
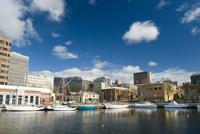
{"points": [[135, 121]]}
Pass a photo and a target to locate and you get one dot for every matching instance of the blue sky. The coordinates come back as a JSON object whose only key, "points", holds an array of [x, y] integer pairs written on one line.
{"points": [[97, 37]]}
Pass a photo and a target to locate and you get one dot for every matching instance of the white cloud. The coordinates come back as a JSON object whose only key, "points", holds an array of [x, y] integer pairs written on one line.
{"points": [[68, 43], [55, 35], [63, 53], [152, 64], [195, 30], [191, 15], [54, 8], [175, 74], [100, 64], [162, 4], [92, 2], [14, 24], [141, 31], [182, 7]]}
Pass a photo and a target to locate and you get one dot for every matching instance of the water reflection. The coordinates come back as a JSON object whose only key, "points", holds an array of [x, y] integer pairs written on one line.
{"points": [[145, 110]]}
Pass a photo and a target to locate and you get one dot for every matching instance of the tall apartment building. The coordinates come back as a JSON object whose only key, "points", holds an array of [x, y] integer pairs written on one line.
{"points": [[142, 78], [5, 46], [18, 69]]}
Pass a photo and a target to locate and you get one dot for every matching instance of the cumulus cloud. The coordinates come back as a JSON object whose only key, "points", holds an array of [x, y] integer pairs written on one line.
{"points": [[62, 52], [68, 43], [191, 15], [162, 4], [195, 30], [92, 2], [141, 31], [100, 64], [14, 24], [55, 35], [54, 8], [152, 64]]}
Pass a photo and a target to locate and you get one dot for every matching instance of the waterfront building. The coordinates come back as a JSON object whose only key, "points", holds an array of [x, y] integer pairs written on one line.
{"points": [[110, 94], [157, 92], [195, 78], [5, 46], [141, 78], [20, 95], [40, 81], [191, 92], [18, 69], [89, 97], [99, 82]]}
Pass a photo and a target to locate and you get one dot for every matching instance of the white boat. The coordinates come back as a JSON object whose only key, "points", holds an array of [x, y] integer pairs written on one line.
{"points": [[145, 104], [174, 104], [22, 108], [63, 108], [116, 106], [198, 107]]}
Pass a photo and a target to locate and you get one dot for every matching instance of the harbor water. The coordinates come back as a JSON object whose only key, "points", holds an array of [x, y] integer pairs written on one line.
{"points": [[127, 121]]}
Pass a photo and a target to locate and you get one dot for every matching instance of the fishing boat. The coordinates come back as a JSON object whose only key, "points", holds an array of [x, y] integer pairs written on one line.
{"points": [[115, 106], [174, 104], [145, 104], [22, 108]]}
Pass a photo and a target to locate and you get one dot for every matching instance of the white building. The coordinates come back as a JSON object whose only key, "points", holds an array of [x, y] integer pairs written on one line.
{"points": [[89, 97], [18, 69], [40, 81], [19, 95]]}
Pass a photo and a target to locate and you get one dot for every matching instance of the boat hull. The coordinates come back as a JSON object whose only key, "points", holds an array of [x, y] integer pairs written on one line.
{"points": [[86, 107], [115, 106], [198, 107], [23, 108], [144, 106], [177, 106], [63, 108]]}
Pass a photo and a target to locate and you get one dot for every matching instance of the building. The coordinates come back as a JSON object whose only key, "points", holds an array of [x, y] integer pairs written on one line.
{"points": [[110, 94], [195, 79], [40, 81], [5, 46], [141, 78], [98, 84], [157, 92], [89, 97], [18, 69], [19, 95], [191, 92]]}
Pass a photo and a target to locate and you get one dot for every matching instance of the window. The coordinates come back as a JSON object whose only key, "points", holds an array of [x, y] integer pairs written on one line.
{"points": [[31, 99], [7, 99], [20, 100], [1, 99], [26, 100], [37, 100], [13, 99]]}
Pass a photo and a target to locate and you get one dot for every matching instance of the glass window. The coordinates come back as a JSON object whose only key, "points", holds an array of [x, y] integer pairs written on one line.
{"points": [[37, 100], [26, 100], [31, 99], [1, 99], [19, 100], [13, 99], [7, 99]]}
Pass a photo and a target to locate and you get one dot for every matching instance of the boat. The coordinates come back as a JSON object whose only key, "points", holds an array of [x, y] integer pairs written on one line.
{"points": [[63, 108], [86, 107], [198, 107], [116, 106], [174, 104], [22, 108], [145, 104]]}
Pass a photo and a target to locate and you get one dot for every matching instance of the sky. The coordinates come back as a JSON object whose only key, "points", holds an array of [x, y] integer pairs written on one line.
{"points": [[113, 38]]}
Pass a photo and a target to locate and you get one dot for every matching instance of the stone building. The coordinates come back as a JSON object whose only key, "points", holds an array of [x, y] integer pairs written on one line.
{"points": [[191, 92]]}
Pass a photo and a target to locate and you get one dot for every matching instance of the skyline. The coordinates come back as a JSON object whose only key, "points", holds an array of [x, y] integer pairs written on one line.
{"points": [[94, 38]]}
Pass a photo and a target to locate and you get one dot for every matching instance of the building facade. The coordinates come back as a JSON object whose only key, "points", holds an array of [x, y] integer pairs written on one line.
{"points": [[5, 46], [191, 92], [40, 81], [141, 78], [18, 95], [157, 92], [18, 69], [195, 79]]}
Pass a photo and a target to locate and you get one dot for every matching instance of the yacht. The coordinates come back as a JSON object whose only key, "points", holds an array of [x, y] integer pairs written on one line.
{"points": [[116, 106], [145, 104], [86, 107], [198, 107], [174, 104], [23, 108]]}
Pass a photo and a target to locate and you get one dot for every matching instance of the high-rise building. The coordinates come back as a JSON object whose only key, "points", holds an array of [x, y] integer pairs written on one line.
{"points": [[141, 78], [195, 79], [5, 46], [18, 69]]}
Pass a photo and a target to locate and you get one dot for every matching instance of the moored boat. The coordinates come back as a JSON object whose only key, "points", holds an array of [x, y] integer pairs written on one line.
{"points": [[174, 104], [23, 108], [198, 107], [145, 104], [86, 107], [63, 108], [116, 106]]}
